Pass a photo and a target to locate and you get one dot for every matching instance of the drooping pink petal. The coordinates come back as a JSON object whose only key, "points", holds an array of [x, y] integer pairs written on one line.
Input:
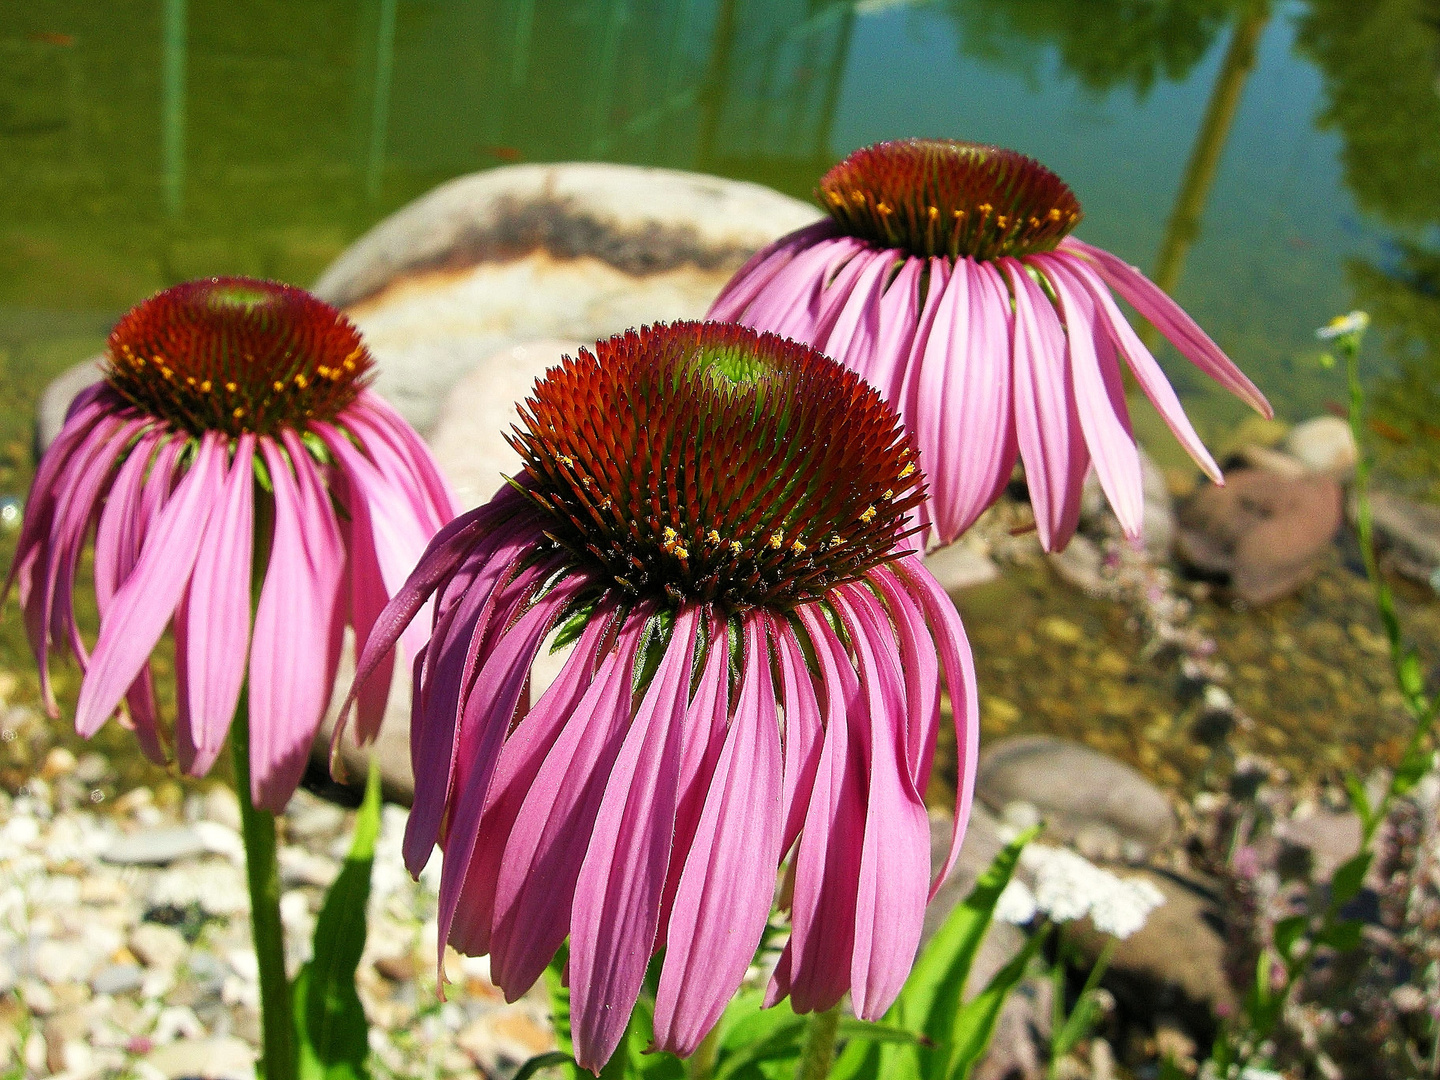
{"points": [[1170, 319], [119, 534], [520, 759], [215, 627], [854, 296], [618, 893], [706, 719], [895, 858], [402, 456], [899, 317], [804, 732], [489, 712], [817, 963], [728, 882], [542, 859], [921, 669], [792, 303], [457, 661], [143, 605], [291, 639], [1104, 419], [1052, 444], [760, 269], [954, 649], [1147, 372]]}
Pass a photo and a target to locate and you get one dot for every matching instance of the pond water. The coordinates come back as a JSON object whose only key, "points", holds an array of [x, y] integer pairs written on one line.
{"points": [[146, 141]]}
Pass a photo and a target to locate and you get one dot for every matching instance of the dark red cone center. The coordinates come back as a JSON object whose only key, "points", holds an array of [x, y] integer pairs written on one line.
{"points": [[942, 197], [237, 354], [707, 462]]}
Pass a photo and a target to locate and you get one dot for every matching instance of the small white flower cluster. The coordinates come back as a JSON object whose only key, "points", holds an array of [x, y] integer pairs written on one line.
{"points": [[1069, 887], [1342, 325]]}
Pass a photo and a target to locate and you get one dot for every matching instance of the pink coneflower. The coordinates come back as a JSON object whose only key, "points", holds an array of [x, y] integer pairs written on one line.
{"points": [[946, 276], [713, 517], [231, 410]]}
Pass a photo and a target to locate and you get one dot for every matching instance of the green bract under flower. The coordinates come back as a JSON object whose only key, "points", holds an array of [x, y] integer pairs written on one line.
{"points": [[237, 354], [942, 197], [706, 462]]}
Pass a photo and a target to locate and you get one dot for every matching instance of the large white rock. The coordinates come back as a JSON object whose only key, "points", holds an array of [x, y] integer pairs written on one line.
{"points": [[571, 251]]}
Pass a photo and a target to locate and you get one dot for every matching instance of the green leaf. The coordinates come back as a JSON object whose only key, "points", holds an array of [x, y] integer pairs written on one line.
{"points": [[1359, 800], [1346, 883], [560, 1003], [869, 1031], [974, 1024], [1413, 766], [543, 1061], [752, 1037], [329, 1019], [1289, 931], [1343, 936], [930, 1002], [1083, 1017]]}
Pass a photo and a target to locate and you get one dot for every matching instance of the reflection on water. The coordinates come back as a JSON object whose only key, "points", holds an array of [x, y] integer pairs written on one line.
{"points": [[146, 141]]}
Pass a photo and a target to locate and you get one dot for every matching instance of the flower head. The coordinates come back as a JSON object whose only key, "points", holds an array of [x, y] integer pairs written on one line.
{"points": [[714, 518], [233, 412], [946, 276]]}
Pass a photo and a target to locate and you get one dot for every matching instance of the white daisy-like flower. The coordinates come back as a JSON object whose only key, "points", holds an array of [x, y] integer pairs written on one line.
{"points": [[1016, 903], [1343, 324], [1069, 887]]}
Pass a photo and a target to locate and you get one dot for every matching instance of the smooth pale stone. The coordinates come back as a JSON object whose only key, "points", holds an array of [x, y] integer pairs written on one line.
{"points": [[571, 251], [1323, 444]]}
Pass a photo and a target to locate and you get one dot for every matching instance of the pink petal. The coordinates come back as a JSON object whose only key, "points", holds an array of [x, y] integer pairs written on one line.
{"points": [[520, 759], [543, 856], [728, 882], [401, 454], [216, 630], [793, 303], [1046, 422], [144, 603], [760, 269], [921, 670], [899, 317], [895, 860], [1147, 372], [292, 638], [827, 862], [954, 649], [1104, 417], [1170, 319], [706, 720], [618, 893], [919, 407], [804, 732]]}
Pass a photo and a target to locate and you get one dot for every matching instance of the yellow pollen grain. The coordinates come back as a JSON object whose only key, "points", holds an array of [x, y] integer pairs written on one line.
{"points": [[1002, 222], [883, 208], [934, 212], [205, 387], [230, 386], [798, 548], [190, 380], [712, 537], [734, 547], [837, 540], [984, 208], [279, 386], [323, 371], [889, 494], [238, 413], [776, 539], [1054, 214], [681, 553], [349, 365], [907, 470], [869, 515], [669, 535], [566, 460], [301, 381]]}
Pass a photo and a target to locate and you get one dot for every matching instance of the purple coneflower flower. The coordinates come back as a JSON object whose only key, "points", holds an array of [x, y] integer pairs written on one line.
{"points": [[713, 516], [212, 390], [947, 277]]}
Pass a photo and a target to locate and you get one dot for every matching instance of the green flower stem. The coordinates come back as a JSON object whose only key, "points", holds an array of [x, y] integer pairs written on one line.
{"points": [[701, 1064], [819, 1052], [277, 1021]]}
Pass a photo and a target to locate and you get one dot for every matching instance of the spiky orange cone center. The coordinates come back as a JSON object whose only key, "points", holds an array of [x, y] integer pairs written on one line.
{"points": [[235, 355], [706, 462], [943, 197]]}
